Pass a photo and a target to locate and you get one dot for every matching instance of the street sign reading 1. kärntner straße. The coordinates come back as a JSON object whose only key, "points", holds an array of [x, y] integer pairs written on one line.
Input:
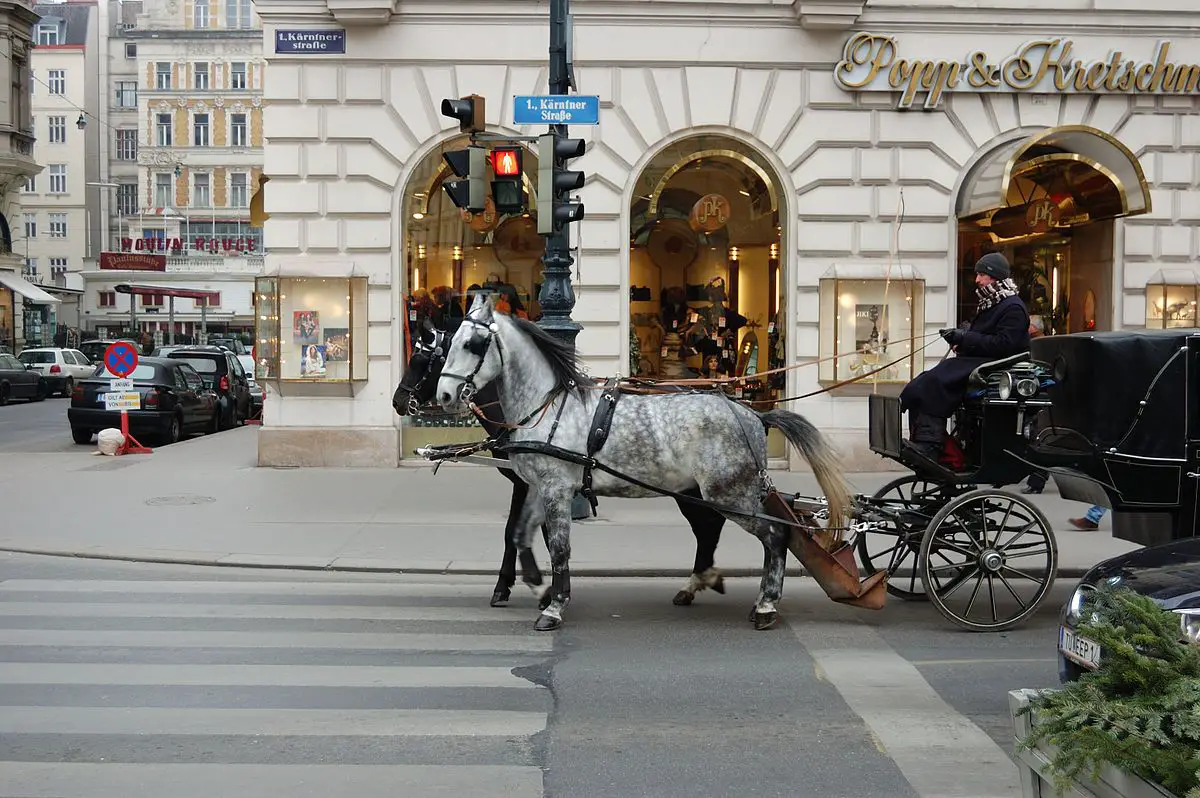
{"points": [[555, 109]]}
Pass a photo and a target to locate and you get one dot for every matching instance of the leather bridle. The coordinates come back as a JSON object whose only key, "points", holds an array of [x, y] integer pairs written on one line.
{"points": [[468, 389]]}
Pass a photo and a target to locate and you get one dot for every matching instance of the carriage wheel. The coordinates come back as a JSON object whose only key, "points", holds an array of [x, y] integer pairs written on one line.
{"points": [[990, 558], [895, 549]]}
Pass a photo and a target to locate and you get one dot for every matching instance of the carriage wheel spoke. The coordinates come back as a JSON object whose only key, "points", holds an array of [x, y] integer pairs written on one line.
{"points": [[954, 587], [1027, 554], [1020, 534], [1003, 526], [992, 596], [1009, 587], [974, 593], [1020, 573]]}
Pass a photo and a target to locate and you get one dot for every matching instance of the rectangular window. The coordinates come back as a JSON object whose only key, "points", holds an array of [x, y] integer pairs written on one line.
{"points": [[212, 301], [200, 75], [30, 184], [237, 13], [58, 178], [31, 225], [58, 225], [163, 130], [57, 266], [31, 268], [239, 190], [47, 33], [127, 145], [238, 132], [201, 191], [127, 94], [56, 80], [58, 129], [200, 130], [164, 190], [107, 299], [162, 75], [127, 199], [152, 301], [237, 75], [130, 50], [200, 14]]}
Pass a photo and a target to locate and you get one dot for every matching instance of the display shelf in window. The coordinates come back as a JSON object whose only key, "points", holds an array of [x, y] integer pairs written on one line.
{"points": [[1171, 297], [871, 318], [311, 329]]}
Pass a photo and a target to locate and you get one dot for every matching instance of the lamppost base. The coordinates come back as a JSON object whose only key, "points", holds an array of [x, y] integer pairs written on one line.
{"points": [[581, 508]]}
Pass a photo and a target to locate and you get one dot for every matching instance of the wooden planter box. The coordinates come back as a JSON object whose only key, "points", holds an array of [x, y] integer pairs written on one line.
{"points": [[1034, 766]]}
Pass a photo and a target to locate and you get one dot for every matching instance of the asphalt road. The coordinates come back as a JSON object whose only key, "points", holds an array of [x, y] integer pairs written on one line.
{"points": [[120, 679], [35, 427]]}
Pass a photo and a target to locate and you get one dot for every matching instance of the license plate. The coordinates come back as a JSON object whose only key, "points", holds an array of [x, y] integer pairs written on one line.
{"points": [[1078, 649]]}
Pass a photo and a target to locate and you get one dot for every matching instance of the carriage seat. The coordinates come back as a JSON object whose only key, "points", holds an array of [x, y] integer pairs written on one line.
{"points": [[980, 373]]}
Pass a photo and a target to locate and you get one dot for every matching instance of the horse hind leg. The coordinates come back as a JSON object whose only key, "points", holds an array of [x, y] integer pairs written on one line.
{"points": [[706, 526], [741, 496]]}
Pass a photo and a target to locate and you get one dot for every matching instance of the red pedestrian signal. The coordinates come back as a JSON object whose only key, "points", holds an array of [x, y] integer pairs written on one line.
{"points": [[506, 163]]}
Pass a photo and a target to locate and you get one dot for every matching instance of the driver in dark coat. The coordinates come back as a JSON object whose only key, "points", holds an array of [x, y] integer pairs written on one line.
{"points": [[1000, 329]]}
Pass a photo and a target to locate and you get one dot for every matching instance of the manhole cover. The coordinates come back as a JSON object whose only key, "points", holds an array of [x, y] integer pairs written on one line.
{"points": [[176, 501]]}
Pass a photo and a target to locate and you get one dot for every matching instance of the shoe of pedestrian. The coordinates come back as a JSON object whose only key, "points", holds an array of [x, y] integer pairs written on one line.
{"points": [[1083, 523], [1030, 489]]}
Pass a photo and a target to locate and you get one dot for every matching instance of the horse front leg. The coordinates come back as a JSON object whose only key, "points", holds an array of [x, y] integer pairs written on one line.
{"points": [[558, 521], [508, 565], [706, 526]]}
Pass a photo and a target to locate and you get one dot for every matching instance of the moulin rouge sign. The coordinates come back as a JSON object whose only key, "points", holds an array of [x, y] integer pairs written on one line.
{"points": [[213, 244], [873, 62]]}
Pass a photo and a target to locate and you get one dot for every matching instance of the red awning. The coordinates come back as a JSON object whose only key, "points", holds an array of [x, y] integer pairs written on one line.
{"points": [[160, 290]]}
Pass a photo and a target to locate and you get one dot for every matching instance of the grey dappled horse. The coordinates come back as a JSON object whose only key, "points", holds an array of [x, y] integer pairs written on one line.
{"points": [[417, 388], [676, 441]]}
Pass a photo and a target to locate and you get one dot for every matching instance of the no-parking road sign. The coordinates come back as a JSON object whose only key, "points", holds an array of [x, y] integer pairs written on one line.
{"points": [[121, 359]]}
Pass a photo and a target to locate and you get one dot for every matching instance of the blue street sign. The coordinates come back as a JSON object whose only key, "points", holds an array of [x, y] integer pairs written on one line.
{"points": [[120, 359], [314, 42], [556, 109]]}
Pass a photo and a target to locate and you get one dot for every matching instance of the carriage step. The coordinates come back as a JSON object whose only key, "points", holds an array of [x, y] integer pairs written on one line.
{"points": [[836, 572]]}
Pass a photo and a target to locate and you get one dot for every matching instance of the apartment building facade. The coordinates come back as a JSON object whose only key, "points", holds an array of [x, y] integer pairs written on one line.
{"points": [[185, 153], [22, 304]]}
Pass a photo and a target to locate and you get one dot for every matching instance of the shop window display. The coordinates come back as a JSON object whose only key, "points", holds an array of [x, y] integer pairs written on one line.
{"points": [[311, 329], [1171, 297], [870, 323], [450, 256], [706, 295]]}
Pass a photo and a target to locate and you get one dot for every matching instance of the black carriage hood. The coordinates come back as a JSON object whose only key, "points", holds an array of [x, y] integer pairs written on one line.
{"points": [[1168, 573]]}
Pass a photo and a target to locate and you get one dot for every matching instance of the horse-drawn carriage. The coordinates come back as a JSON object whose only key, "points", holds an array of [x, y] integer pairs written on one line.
{"points": [[1113, 417], [1109, 415]]}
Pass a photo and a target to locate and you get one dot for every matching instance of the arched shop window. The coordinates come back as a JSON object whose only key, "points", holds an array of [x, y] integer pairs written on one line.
{"points": [[449, 254], [707, 291]]}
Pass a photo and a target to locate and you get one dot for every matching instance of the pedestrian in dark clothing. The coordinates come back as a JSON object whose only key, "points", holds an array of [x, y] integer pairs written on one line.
{"points": [[1000, 329]]}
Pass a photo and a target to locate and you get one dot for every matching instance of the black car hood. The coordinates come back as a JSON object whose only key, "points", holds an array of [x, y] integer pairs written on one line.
{"points": [[1168, 573]]}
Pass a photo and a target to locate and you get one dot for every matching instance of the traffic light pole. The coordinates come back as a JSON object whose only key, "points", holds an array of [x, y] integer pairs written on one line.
{"points": [[557, 297]]}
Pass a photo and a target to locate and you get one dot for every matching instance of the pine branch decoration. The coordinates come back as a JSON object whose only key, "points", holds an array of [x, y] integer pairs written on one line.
{"points": [[1139, 711]]}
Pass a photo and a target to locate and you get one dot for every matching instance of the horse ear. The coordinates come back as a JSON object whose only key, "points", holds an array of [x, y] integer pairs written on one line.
{"points": [[480, 301]]}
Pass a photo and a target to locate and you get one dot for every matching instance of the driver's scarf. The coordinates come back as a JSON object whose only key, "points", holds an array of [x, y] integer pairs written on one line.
{"points": [[991, 294]]}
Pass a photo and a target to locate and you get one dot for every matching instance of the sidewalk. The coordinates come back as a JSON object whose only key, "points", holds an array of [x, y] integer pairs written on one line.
{"points": [[204, 501]]}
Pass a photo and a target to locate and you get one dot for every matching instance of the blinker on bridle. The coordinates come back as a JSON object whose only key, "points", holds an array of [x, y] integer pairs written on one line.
{"points": [[435, 352]]}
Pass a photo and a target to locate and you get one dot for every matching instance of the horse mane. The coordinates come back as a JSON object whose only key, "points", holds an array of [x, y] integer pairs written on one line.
{"points": [[560, 355]]}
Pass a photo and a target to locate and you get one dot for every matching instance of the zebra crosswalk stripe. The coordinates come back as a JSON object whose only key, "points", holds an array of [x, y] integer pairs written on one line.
{"points": [[247, 688]]}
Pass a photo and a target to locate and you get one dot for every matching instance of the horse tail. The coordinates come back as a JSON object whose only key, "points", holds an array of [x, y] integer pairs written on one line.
{"points": [[822, 456]]}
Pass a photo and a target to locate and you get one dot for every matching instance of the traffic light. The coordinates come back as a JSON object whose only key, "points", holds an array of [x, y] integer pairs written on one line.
{"points": [[507, 193], [469, 111], [471, 163], [555, 181]]}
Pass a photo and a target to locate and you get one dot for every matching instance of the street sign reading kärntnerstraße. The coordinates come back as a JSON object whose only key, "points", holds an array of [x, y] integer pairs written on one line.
{"points": [[556, 109], [325, 42]]}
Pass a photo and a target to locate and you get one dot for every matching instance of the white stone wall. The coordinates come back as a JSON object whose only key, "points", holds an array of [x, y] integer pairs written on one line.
{"points": [[344, 134]]}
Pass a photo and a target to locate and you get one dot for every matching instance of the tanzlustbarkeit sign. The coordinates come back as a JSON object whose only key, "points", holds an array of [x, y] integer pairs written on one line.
{"points": [[874, 62]]}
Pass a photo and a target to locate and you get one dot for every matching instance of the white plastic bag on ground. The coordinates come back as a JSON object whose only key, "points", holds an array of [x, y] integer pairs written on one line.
{"points": [[109, 440]]}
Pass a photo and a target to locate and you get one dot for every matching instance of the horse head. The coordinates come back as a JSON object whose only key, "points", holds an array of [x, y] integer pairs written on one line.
{"points": [[473, 357], [419, 382]]}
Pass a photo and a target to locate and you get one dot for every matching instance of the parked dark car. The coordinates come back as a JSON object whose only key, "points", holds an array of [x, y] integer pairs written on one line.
{"points": [[223, 374], [95, 349], [174, 402], [1168, 573], [19, 382]]}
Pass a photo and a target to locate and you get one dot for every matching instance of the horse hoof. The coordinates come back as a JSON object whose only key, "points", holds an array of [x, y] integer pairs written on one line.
{"points": [[765, 620], [547, 623], [719, 585], [683, 598], [500, 598], [544, 601]]}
